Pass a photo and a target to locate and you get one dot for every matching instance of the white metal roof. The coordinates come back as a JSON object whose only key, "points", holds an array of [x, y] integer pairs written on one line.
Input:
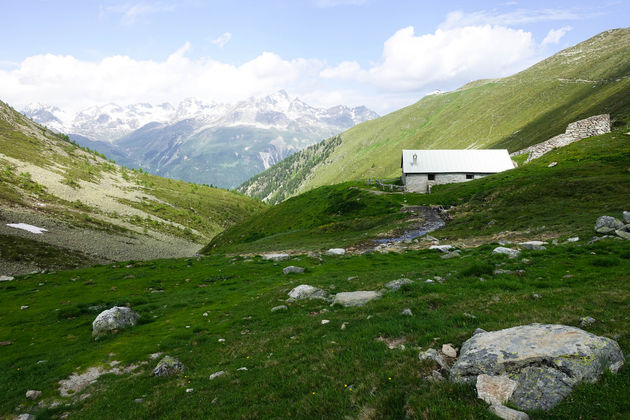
{"points": [[456, 161]]}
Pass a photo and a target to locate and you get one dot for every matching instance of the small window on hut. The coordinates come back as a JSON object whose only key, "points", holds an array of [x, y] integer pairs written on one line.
{"points": [[431, 177], [470, 176]]}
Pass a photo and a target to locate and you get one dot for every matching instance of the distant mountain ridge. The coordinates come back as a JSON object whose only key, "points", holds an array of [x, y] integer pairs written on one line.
{"points": [[514, 112], [209, 143]]}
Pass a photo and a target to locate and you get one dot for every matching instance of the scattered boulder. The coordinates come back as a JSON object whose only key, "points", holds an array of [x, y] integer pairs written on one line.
{"points": [[113, 319], [275, 257], [280, 308], [325, 321], [6, 278], [292, 269], [534, 245], [335, 251], [546, 361], [626, 217], [507, 413], [358, 298], [608, 224], [305, 291], [406, 312], [168, 366], [216, 374], [442, 248], [33, 394], [495, 390], [432, 354], [394, 285], [552, 164], [512, 253], [26, 416]]}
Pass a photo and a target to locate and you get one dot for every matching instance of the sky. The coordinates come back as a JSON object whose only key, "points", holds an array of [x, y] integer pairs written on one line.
{"points": [[384, 54]]}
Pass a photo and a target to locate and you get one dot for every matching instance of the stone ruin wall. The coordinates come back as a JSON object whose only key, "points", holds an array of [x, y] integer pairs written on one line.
{"points": [[578, 130]]}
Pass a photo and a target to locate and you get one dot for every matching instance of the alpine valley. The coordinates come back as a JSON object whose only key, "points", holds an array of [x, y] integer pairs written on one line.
{"points": [[205, 143]]}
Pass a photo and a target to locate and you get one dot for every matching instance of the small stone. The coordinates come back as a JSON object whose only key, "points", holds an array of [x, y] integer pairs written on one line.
{"points": [[154, 356], [442, 248], [352, 278], [435, 376], [335, 251], [479, 331], [292, 269], [306, 291], [471, 316], [26, 416], [406, 312], [534, 245], [6, 278], [189, 390], [429, 281], [507, 413], [325, 321], [33, 394], [242, 368], [205, 314], [626, 217], [280, 308], [168, 366], [552, 164], [574, 239], [586, 321], [432, 354], [344, 325], [397, 284], [221, 340], [275, 257], [111, 320], [495, 390], [453, 254], [449, 351], [623, 234], [536, 296], [217, 374], [139, 400]]}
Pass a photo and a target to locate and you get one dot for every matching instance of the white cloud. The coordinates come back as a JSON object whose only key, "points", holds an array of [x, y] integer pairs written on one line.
{"points": [[74, 84], [517, 17], [223, 39], [555, 35], [413, 62]]}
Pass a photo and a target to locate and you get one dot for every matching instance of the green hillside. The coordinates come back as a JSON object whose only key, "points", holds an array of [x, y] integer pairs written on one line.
{"points": [[590, 78], [530, 202], [93, 209]]}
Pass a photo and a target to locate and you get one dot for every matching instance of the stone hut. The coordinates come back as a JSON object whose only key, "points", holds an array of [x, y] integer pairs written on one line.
{"points": [[421, 169]]}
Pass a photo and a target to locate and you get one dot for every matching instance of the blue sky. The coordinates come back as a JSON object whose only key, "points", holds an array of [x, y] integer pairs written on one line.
{"points": [[383, 54]]}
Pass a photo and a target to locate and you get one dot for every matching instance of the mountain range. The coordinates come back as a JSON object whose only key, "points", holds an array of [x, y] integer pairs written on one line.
{"points": [[206, 143], [514, 112]]}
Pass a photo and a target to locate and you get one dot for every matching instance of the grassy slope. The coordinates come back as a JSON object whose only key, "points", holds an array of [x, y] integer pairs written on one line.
{"points": [[296, 366], [144, 204], [514, 112], [591, 179]]}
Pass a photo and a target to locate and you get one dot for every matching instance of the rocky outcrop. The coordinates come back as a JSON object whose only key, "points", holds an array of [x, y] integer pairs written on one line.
{"points": [[608, 224], [545, 360], [113, 319], [358, 298], [578, 130]]}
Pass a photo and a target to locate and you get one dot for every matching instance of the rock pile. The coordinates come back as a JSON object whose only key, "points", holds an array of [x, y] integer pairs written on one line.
{"points": [[610, 225], [168, 366]]}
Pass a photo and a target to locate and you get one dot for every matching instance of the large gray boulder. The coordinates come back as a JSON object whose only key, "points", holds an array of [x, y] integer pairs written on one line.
{"points": [[113, 319], [306, 291], [512, 253], [358, 298], [546, 361], [608, 224]]}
